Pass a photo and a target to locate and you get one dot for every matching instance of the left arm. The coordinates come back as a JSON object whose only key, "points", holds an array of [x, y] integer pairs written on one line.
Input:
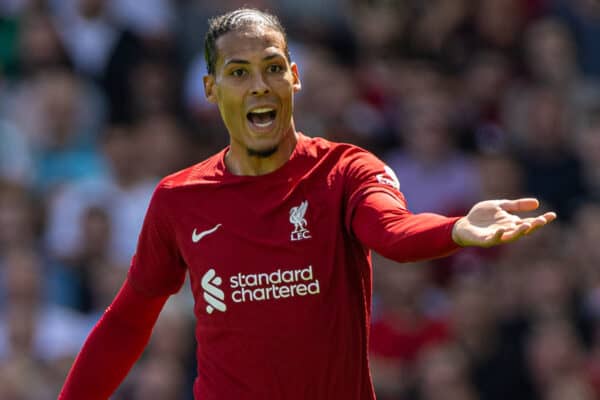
{"points": [[378, 216], [382, 223]]}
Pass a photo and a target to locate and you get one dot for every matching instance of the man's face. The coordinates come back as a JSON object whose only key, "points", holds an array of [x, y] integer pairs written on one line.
{"points": [[254, 85]]}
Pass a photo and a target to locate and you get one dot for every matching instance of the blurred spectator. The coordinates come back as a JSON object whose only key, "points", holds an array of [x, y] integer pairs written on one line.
{"points": [[89, 34], [78, 279], [433, 173], [550, 54], [493, 347], [64, 134], [37, 339], [403, 328], [593, 361], [499, 24], [484, 82], [582, 17], [101, 49], [151, 18], [164, 145], [587, 146], [124, 192], [552, 295], [19, 216], [39, 46], [154, 88], [553, 172], [16, 156], [501, 177], [555, 357], [444, 375], [159, 378]]}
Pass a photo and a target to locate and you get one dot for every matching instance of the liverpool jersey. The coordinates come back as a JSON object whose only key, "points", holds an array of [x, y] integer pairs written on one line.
{"points": [[280, 276]]}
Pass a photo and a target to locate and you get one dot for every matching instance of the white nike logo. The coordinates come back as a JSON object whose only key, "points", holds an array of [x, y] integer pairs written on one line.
{"points": [[197, 236]]}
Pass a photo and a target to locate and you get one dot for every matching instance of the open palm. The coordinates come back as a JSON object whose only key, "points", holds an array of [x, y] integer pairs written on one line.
{"points": [[492, 222]]}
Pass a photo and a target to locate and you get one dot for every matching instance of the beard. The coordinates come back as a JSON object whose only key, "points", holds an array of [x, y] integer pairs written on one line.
{"points": [[265, 153]]}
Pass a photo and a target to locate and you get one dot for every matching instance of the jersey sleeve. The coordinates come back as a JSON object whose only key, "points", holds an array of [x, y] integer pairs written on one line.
{"points": [[157, 268], [377, 214], [113, 346]]}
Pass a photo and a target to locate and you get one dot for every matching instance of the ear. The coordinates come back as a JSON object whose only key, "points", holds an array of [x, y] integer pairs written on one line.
{"points": [[297, 85], [209, 88]]}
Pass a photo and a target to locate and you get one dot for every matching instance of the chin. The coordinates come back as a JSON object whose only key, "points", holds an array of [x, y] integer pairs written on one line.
{"points": [[262, 152]]}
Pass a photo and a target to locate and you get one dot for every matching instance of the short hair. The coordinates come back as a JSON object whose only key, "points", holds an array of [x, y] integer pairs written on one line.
{"points": [[234, 20]]}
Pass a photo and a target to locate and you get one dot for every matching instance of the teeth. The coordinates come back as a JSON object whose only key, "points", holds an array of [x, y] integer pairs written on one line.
{"points": [[263, 125], [262, 110]]}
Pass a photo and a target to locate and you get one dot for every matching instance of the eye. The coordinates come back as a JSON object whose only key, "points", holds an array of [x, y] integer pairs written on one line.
{"points": [[238, 72], [274, 68]]}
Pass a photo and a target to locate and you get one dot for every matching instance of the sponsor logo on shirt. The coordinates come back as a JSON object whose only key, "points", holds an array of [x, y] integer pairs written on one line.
{"points": [[297, 219], [277, 285], [389, 178], [196, 237], [213, 295]]}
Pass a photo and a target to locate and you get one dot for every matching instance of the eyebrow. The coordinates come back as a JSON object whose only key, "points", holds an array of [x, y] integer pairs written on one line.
{"points": [[240, 61]]}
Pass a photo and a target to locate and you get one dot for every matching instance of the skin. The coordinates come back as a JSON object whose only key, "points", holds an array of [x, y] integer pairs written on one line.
{"points": [[493, 222], [252, 71]]}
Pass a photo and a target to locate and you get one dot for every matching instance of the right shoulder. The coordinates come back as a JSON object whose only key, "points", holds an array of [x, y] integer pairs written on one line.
{"points": [[206, 172]]}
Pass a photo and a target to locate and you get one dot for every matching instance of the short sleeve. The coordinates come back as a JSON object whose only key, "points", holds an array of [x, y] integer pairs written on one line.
{"points": [[365, 174], [157, 268]]}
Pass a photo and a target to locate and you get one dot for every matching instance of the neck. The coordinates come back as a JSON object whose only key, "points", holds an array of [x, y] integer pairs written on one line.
{"points": [[240, 161]]}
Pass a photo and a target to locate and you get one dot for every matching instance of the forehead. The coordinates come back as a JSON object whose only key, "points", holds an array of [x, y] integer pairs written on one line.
{"points": [[249, 42]]}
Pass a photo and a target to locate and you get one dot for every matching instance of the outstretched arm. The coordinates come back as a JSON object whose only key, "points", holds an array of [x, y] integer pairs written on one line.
{"points": [[113, 346], [382, 223], [492, 222]]}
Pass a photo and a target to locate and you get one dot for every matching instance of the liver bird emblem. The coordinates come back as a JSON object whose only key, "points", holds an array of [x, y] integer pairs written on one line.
{"points": [[297, 216]]}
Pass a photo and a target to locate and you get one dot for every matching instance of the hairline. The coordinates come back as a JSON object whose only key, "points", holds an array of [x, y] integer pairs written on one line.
{"points": [[259, 20]]}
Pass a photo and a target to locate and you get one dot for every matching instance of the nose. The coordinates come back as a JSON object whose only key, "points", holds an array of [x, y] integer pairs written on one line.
{"points": [[259, 86]]}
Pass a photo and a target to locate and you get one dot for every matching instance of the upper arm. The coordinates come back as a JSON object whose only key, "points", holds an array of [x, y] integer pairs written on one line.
{"points": [[364, 175], [157, 267]]}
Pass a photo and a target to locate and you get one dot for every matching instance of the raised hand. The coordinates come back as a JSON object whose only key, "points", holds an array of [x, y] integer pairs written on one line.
{"points": [[492, 222]]}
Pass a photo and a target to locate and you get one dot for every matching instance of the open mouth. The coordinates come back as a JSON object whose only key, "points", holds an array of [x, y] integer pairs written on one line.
{"points": [[262, 117]]}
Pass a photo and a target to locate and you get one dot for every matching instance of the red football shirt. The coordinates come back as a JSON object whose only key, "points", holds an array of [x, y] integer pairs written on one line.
{"points": [[279, 268]]}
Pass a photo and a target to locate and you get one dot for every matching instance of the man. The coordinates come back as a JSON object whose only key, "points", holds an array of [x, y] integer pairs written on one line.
{"points": [[274, 231]]}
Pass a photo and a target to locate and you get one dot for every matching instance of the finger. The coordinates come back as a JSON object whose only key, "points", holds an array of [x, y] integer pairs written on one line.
{"points": [[533, 221], [549, 216], [540, 221], [514, 234], [497, 238], [520, 205]]}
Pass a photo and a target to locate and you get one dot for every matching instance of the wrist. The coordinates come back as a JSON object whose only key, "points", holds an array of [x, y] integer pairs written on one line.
{"points": [[456, 237]]}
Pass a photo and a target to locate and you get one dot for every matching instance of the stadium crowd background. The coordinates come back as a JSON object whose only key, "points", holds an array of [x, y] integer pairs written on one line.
{"points": [[465, 99]]}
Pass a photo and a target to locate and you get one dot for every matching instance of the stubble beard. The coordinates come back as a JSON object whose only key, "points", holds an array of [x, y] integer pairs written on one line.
{"points": [[262, 153]]}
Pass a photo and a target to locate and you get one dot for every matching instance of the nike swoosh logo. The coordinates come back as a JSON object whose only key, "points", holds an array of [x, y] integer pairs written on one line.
{"points": [[196, 237]]}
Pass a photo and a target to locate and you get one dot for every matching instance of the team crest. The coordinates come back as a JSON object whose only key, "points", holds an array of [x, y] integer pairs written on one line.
{"points": [[297, 218]]}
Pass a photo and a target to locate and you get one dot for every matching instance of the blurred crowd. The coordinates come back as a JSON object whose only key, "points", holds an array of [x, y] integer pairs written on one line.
{"points": [[465, 99]]}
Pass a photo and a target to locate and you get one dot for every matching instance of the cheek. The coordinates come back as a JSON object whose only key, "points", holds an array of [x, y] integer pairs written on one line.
{"points": [[231, 108]]}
